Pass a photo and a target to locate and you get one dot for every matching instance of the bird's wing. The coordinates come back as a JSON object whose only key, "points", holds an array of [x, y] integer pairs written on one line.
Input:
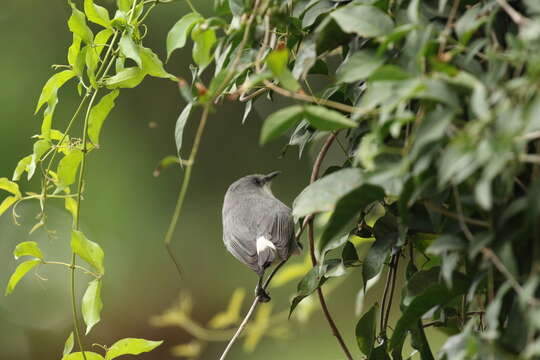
{"points": [[240, 244], [281, 228]]}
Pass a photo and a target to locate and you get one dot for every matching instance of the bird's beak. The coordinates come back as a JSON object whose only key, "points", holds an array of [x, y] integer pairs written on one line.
{"points": [[272, 175]]}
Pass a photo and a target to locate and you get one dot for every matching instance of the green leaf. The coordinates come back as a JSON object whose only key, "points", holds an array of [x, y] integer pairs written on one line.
{"points": [[152, 65], [237, 7], [101, 39], [40, 147], [52, 85], [68, 346], [6, 203], [67, 168], [386, 235], [179, 128], [326, 119], [126, 78], [124, 5], [359, 66], [165, 163], [10, 186], [21, 167], [130, 346], [129, 49], [177, 36], [27, 248], [277, 61], [437, 294], [88, 355], [204, 40], [363, 20], [230, 316], [309, 283], [347, 208], [305, 59], [279, 122], [365, 331], [46, 124], [88, 250], [97, 14], [92, 305], [99, 113], [70, 205], [74, 50], [19, 273], [419, 341], [77, 25], [323, 194]]}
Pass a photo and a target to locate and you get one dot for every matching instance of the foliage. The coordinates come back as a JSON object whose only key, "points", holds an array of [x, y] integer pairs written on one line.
{"points": [[434, 104]]}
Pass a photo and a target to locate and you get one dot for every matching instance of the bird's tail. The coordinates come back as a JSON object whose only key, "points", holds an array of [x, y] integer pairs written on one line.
{"points": [[266, 251]]}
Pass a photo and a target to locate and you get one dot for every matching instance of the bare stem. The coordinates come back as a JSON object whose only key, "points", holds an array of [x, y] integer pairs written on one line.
{"points": [[324, 306], [81, 268], [453, 215], [513, 13]]}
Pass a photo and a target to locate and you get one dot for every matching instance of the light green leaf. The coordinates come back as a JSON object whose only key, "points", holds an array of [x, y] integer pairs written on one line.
{"points": [[88, 250], [204, 40], [326, 119], [19, 273], [92, 62], [73, 51], [6, 203], [363, 20], [27, 248], [79, 356], [71, 205], [10, 186], [126, 78], [358, 66], [100, 41], [323, 194], [92, 305], [232, 315], [179, 128], [152, 65], [46, 124], [68, 346], [97, 14], [67, 168], [99, 113], [165, 163], [177, 36], [124, 5], [52, 85], [279, 122], [129, 49], [365, 331], [277, 61], [21, 167], [77, 25], [131, 346], [40, 147]]}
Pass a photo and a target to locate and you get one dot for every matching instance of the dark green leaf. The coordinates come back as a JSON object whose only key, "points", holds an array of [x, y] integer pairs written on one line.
{"points": [[386, 235], [363, 20], [359, 66], [326, 119], [279, 122], [324, 193], [365, 331]]}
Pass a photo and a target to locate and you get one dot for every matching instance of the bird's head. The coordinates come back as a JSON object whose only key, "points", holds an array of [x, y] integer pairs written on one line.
{"points": [[255, 183]]}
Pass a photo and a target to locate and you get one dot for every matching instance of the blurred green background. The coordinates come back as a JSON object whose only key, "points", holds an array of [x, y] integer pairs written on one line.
{"points": [[127, 210]]}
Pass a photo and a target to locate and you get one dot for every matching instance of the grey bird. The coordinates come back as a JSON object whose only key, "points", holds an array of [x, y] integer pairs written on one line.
{"points": [[258, 229]]}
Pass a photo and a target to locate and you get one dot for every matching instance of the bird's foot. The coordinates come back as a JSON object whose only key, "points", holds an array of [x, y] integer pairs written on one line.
{"points": [[262, 295]]}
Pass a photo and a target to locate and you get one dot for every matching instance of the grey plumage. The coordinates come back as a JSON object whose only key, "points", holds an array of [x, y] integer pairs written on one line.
{"points": [[258, 229]]}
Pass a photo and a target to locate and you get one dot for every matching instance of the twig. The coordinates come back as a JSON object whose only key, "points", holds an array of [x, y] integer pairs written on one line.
{"points": [[324, 306], [462, 223], [530, 136], [249, 313], [491, 256], [393, 271], [449, 23], [81, 268], [513, 13], [530, 158], [450, 214]]}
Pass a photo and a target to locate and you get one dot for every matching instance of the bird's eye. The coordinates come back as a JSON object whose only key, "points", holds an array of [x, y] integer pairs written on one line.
{"points": [[257, 181]]}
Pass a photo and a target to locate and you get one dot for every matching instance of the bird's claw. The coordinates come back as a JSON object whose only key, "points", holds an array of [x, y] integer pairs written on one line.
{"points": [[262, 295]]}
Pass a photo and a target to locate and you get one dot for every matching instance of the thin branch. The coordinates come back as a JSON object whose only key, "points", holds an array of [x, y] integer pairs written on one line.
{"points": [[462, 223], [81, 268], [530, 158], [324, 306], [513, 13], [244, 322], [449, 24], [450, 214]]}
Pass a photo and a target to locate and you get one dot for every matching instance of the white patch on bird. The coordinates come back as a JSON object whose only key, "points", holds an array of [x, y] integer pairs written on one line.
{"points": [[268, 189], [263, 243]]}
